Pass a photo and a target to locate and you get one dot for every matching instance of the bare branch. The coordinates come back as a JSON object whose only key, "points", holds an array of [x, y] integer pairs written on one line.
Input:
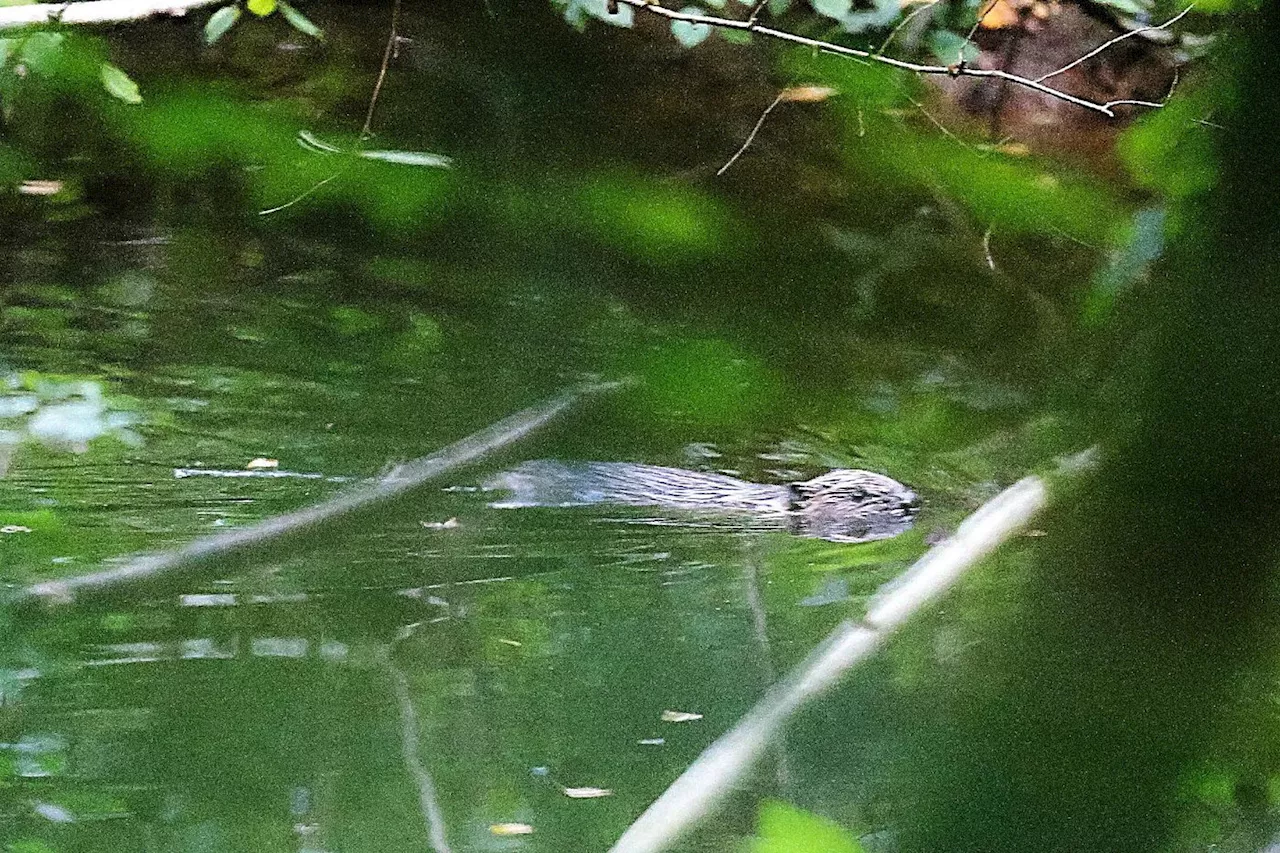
{"points": [[959, 69], [95, 12], [903, 23], [721, 766], [154, 568], [1129, 34], [392, 37], [428, 802], [751, 136]]}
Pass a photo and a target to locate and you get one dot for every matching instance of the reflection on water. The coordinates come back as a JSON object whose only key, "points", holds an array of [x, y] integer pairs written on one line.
{"points": [[542, 651], [260, 713]]}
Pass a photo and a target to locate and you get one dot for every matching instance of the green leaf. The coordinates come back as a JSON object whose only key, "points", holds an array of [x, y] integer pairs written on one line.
{"points": [[1129, 7], [40, 52], [119, 84], [783, 828], [832, 8], [219, 22], [690, 34], [300, 22], [261, 8], [950, 47]]}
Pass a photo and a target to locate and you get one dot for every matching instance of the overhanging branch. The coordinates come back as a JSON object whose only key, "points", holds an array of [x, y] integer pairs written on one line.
{"points": [[95, 12], [959, 69]]}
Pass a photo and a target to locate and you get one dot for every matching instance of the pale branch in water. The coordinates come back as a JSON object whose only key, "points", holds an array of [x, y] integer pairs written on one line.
{"points": [[150, 568], [959, 69], [722, 765], [95, 12], [411, 750]]}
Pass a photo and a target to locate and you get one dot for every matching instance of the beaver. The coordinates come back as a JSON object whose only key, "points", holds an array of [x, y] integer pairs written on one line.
{"points": [[844, 505]]}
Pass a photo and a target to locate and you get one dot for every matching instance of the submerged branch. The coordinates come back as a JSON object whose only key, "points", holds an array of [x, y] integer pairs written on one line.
{"points": [[723, 764], [410, 748], [152, 567]]}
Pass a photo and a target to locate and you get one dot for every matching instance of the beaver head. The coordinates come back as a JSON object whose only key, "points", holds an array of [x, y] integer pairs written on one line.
{"points": [[849, 505]]}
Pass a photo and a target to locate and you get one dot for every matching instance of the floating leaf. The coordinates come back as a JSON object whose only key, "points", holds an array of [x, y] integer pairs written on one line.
{"points": [[409, 158], [219, 22], [503, 829], [586, 793], [807, 94], [300, 22], [688, 33], [680, 716], [40, 187], [119, 84], [261, 8]]}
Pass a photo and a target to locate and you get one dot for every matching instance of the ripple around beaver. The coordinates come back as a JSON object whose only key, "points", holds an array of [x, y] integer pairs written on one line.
{"points": [[844, 505]]}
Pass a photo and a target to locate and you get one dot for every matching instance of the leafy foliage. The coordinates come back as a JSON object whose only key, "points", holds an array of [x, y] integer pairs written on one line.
{"points": [[786, 829]]}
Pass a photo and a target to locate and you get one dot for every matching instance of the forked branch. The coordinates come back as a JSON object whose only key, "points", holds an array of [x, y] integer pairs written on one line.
{"points": [[959, 69]]}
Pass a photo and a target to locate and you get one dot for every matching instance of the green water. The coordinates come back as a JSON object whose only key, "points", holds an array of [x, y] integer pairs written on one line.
{"points": [[777, 329]]}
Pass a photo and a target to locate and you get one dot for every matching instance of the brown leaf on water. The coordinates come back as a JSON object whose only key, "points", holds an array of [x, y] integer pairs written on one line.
{"points": [[807, 94]]}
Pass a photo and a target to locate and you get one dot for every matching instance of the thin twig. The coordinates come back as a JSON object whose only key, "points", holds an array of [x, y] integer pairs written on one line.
{"points": [[302, 195], [939, 125], [978, 21], [956, 70], [1129, 34], [165, 565], [392, 37], [367, 130], [722, 765], [95, 12], [908, 19], [986, 249], [428, 802], [752, 135]]}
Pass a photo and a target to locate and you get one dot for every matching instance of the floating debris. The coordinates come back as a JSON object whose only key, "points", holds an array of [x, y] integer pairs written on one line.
{"points": [[680, 716], [181, 473], [586, 793], [503, 829]]}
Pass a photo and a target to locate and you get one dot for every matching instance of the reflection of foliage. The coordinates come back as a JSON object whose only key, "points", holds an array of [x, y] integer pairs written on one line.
{"points": [[60, 412]]}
